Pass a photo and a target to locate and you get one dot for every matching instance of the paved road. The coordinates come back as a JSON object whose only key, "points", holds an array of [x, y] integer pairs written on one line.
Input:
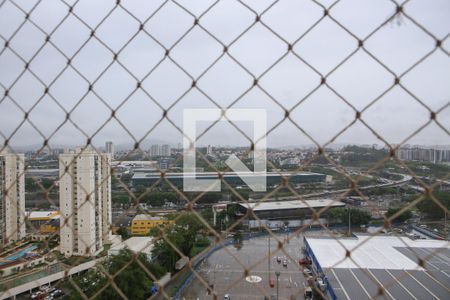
{"points": [[225, 269]]}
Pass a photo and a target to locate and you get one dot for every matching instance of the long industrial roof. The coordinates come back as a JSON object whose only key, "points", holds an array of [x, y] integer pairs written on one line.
{"points": [[293, 204], [398, 267], [376, 252], [152, 175]]}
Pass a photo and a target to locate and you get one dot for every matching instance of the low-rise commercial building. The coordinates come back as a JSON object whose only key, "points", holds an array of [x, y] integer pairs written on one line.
{"points": [[43, 222], [142, 224]]}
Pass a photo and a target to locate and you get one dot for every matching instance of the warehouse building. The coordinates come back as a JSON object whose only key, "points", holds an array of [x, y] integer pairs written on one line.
{"points": [[368, 267], [277, 214]]}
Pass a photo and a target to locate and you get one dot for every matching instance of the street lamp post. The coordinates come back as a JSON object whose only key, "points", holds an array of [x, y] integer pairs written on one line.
{"points": [[349, 223], [277, 273], [268, 255], [445, 225]]}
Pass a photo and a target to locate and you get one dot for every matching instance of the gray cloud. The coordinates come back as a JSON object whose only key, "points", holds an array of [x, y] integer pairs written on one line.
{"points": [[322, 115]]}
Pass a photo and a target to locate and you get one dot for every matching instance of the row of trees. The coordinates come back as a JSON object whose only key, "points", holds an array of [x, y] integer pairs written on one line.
{"points": [[361, 156], [431, 208], [360, 217], [404, 215], [131, 277], [434, 209], [357, 216]]}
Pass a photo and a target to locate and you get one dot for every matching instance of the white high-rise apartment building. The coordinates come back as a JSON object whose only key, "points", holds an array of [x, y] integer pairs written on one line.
{"points": [[109, 148], [85, 201], [165, 150], [12, 197], [209, 150], [155, 150]]}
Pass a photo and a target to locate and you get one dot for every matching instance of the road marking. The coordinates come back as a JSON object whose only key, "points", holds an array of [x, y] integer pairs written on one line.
{"points": [[340, 283], [431, 293], [380, 284], [445, 273], [360, 284]]}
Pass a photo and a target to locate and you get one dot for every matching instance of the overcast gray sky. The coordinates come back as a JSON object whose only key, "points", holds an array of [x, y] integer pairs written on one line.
{"points": [[322, 114]]}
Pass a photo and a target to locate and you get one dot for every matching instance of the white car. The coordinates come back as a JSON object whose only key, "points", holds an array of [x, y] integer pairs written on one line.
{"points": [[307, 271], [321, 285], [227, 297], [285, 263]]}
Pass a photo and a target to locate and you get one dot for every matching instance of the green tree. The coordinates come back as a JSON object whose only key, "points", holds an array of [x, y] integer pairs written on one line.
{"points": [[120, 199], [406, 215], [165, 249], [140, 188], [431, 208], [189, 226], [160, 198], [30, 184], [357, 216], [44, 205], [124, 233], [130, 278], [47, 183], [126, 178], [237, 237], [178, 238]]}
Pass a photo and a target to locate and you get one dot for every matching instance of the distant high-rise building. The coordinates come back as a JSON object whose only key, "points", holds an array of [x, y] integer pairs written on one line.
{"points": [[85, 201], [165, 150], [155, 150], [109, 148], [12, 197], [209, 150], [428, 154]]}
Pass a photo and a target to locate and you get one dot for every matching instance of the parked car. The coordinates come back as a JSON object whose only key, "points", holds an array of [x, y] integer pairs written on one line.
{"points": [[285, 263], [272, 282], [56, 294], [307, 271], [227, 297], [304, 262], [278, 259], [321, 284], [308, 293]]}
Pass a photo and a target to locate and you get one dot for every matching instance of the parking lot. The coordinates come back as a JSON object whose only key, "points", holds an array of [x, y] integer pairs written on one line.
{"points": [[224, 269]]}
